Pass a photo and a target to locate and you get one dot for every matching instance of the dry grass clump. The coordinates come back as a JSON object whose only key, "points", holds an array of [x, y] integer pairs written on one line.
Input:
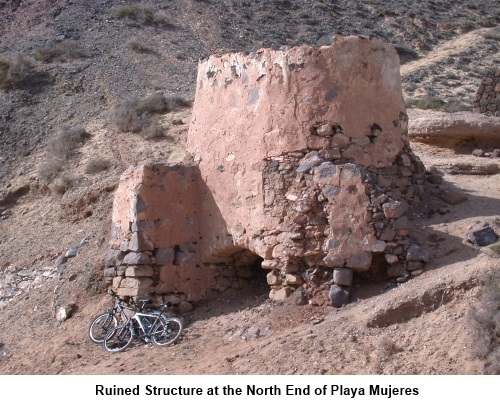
{"points": [[484, 321], [14, 71], [141, 115], [61, 52], [425, 103], [137, 46], [59, 151], [97, 165], [140, 13], [387, 347], [64, 144]]}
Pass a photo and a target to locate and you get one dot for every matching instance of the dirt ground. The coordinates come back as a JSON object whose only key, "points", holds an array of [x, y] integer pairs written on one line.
{"points": [[420, 327]]}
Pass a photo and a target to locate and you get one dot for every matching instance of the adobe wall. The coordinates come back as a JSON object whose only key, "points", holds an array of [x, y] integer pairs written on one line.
{"points": [[301, 161]]}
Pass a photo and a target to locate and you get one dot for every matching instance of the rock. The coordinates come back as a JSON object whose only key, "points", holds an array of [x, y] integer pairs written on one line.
{"points": [[394, 209], [294, 279], [184, 306], [391, 259], [360, 261], [338, 296], [136, 258], [309, 162], [452, 197], [483, 236], [273, 278], [139, 271], [71, 253], [280, 294], [342, 276], [434, 178], [413, 265], [396, 271], [479, 153], [379, 246], [416, 253], [64, 312], [495, 153]]}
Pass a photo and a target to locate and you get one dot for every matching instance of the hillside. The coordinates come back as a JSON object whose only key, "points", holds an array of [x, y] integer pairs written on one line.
{"points": [[61, 157]]}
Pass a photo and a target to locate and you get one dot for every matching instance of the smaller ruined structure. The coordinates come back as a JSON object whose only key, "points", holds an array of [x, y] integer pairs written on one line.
{"points": [[301, 171], [488, 94]]}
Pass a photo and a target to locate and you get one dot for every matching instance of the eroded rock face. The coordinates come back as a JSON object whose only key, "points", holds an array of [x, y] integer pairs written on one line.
{"points": [[301, 160]]}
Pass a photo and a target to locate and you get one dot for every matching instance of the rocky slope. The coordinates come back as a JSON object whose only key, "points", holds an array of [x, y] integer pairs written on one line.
{"points": [[82, 60]]}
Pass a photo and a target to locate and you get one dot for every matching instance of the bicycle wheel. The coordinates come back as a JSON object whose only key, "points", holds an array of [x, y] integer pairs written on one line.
{"points": [[101, 325], [119, 338], [167, 331]]}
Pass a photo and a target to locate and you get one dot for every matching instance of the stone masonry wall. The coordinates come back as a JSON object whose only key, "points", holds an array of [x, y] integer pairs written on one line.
{"points": [[488, 94], [301, 161]]}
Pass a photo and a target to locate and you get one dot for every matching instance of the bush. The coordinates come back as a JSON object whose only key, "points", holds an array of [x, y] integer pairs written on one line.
{"points": [[424, 103], [97, 165], [63, 184], [484, 320], [139, 116], [141, 13], [59, 149], [13, 72], [135, 45], [61, 52], [66, 142]]}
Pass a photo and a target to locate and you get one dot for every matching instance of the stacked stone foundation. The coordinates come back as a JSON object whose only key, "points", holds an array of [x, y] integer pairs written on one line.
{"points": [[487, 99]]}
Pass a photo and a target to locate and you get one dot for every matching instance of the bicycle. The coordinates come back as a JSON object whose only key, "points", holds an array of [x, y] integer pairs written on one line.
{"points": [[103, 323], [147, 326]]}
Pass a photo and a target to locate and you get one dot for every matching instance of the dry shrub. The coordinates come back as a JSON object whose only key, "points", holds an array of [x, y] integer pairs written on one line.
{"points": [[387, 347], [425, 103], [140, 13], [61, 52], [484, 321], [140, 116], [49, 169], [63, 183], [14, 71], [135, 45], [97, 165], [67, 142]]}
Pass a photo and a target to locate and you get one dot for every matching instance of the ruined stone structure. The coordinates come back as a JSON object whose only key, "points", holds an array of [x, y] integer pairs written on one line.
{"points": [[488, 94], [301, 167]]}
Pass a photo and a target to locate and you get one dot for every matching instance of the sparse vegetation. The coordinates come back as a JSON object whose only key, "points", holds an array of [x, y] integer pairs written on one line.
{"points": [[387, 347], [425, 103], [15, 71], [59, 150], [484, 320], [140, 13], [136, 45], [63, 183], [61, 52], [140, 116]]}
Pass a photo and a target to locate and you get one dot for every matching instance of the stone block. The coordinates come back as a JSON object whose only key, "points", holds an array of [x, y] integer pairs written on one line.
{"points": [[342, 276], [397, 270], [294, 279], [280, 294], [139, 271], [394, 209], [273, 278], [360, 261], [416, 253], [136, 258], [338, 296]]}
